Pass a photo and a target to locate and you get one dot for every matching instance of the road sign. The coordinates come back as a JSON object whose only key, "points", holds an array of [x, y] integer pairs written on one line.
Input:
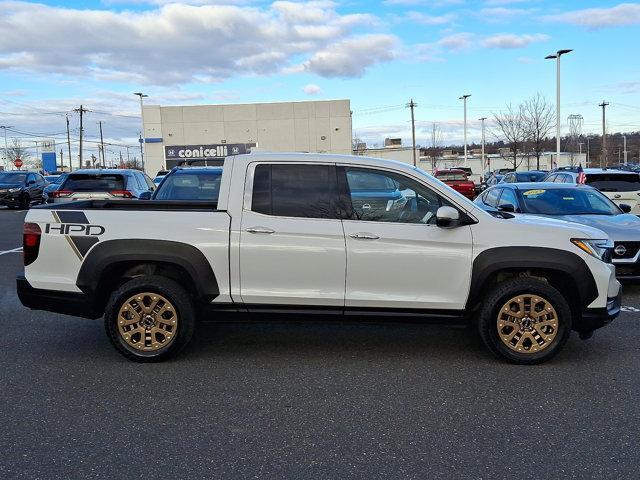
{"points": [[17, 162]]}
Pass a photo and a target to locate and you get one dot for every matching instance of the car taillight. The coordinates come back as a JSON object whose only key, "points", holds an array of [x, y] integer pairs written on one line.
{"points": [[30, 242], [61, 193], [121, 194]]}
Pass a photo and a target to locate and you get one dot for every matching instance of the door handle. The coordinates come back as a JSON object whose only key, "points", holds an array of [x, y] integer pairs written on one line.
{"points": [[259, 230], [364, 236]]}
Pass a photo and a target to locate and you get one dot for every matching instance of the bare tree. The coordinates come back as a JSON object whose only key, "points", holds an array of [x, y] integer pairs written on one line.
{"points": [[512, 128], [539, 117], [16, 150]]}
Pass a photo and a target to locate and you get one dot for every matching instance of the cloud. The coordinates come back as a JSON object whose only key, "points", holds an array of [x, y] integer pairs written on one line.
{"points": [[311, 89], [351, 57], [500, 14], [593, 18], [509, 40], [424, 19], [429, 3], [179, 43], [457, 41]]}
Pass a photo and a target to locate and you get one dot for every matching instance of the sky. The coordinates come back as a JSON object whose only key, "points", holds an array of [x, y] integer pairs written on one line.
{"points": [[57, 55]]}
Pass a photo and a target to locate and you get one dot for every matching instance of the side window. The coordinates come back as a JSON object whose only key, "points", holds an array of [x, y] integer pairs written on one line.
{"points": [[551, 178], [561, 179], [308, 191], [31, 178], [509, 178], [148, 181], [379, 196], [40, 179], [491, 198], [508, 197]]}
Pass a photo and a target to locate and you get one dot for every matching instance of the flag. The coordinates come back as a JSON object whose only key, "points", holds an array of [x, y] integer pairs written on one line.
{"points": [[582, 177]]}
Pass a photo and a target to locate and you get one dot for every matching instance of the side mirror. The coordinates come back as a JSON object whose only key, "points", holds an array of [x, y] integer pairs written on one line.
{"points": [[507, 207], [625, 208], [31, 182], [447, 217], [145, 195]]}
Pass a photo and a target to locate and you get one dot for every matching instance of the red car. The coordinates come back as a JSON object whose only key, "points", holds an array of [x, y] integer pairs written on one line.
{"points": [[459, 181]]}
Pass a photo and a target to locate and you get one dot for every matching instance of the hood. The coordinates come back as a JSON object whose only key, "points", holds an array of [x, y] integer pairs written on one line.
{"points": [[10, 185], [618, 227], [575, 229]]}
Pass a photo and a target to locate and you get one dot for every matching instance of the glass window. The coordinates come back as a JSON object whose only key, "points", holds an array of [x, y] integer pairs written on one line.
{"points": [[508, 197], [551, 178], [491, 197], [86, 182], [31, 178], [614, 182], [191, 185], [567, 201], [378, 196], [308, 191], [13, 177]]}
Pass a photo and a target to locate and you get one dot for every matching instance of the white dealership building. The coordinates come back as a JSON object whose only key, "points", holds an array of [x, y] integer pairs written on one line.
{"points": [[211, 132]]}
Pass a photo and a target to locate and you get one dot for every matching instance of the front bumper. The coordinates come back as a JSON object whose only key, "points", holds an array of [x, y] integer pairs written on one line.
{"points": [[68, 303], [594, 318], [10, 200]]}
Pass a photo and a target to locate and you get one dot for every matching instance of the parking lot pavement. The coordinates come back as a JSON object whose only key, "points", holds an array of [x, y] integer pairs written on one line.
{"points": [[309, 400]]}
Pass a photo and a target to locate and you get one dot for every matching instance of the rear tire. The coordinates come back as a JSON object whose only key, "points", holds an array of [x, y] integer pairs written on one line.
{"points": [[150, 319], [525, 321]]}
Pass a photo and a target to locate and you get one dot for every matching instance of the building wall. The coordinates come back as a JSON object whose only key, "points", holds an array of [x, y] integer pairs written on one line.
{"points": [[316, 126]]}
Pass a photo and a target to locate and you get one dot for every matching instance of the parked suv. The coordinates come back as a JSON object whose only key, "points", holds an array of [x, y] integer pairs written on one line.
{"points": [[101, 184], [20, 189], [296, 233], [620, 186]]}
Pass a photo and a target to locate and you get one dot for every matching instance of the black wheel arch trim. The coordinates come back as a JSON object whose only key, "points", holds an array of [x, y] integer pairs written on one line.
{"points": [[110, 252], [499, 259]]}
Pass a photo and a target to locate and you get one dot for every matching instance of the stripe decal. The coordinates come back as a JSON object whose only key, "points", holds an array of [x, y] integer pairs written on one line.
{"points": [[84, 243], [72, 217], [79, 244], [73, 247]]}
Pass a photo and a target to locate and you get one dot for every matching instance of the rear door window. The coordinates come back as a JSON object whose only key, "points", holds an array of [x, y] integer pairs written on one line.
{"points": [[491, 198], [614, 182], [82, 182], [308, 191]]}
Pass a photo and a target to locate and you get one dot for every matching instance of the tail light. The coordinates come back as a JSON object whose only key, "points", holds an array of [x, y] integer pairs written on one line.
{"points": [[121, 193], [31, 234], [61, 193]]}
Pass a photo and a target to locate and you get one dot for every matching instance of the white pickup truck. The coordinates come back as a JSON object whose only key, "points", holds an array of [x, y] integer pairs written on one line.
{"points": [[329, 234]]}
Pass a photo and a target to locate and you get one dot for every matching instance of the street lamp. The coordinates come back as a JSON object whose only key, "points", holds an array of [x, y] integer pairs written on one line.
{"points": [[142, 135], [557, 56], [464, 99]]}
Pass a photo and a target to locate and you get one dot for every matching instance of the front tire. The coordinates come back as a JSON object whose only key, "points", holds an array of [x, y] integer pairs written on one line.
{"points": [[150, 319], [525, 321]]}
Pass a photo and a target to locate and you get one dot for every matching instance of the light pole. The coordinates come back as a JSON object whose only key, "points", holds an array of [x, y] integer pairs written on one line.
{"points": [[142, 135], [482, 120], [624, 138], [557, 56], [464, 99], [6, 149]]}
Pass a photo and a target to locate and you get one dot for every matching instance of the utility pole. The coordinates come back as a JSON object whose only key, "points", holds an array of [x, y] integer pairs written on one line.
{"points": [[6, 148], [603, 159], [483, 141], [102, 144], [588, 152], [624, 138], [141, 151], [69, 145], [412, 105], [142, 134], [61, 159], [127, 147], [464, 99], [80, 110]]}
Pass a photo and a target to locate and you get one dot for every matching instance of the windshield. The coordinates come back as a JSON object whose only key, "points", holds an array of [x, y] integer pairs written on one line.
{"points": [[13, 177], [94, 183], [567, 201], [530, 176], [451, 176], [190, 185], [614, 182]]}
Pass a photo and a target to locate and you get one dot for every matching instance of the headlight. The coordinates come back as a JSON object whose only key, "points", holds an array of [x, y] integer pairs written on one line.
{"points": [[600, 248], [14, 190]]}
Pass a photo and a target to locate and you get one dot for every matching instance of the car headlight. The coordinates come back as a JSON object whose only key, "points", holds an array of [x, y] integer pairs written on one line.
{"points": [[599, 248], [14, 190]]}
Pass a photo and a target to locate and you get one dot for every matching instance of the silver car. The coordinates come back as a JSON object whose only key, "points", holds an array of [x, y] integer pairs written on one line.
{"points": [[573, 203]]}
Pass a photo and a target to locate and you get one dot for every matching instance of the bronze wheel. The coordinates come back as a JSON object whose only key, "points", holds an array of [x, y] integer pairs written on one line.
{"points": [[147, 322], [525, 320], [527, 323]]}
